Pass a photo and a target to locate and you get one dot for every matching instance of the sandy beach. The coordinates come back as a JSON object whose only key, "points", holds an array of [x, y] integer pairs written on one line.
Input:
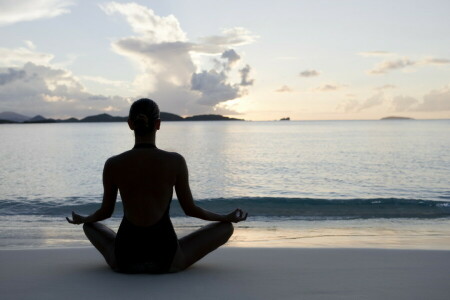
{"points": [[233, 273]]}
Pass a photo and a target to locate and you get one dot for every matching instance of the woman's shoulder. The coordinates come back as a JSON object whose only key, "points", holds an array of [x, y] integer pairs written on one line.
{"points": [[171, 155], [117, 159]]}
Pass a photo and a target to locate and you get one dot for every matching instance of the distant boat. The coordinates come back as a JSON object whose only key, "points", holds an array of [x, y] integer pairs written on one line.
{"points": [[285, 119]]}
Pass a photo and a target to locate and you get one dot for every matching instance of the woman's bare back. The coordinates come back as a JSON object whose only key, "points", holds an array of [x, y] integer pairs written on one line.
{"points": [[145, 178]]}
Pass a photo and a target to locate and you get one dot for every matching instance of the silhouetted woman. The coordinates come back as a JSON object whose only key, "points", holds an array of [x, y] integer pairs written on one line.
{"points": [[145, 176]]}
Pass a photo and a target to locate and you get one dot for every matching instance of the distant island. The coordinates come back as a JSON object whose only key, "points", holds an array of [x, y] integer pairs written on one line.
{"points": [[285, 119], [12, 117], [396, 118]]}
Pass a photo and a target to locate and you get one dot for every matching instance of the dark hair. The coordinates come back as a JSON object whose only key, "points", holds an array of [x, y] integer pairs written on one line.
{"points": [[143, 113]]}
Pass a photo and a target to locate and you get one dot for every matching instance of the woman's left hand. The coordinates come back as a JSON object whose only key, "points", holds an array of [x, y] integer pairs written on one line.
{"points": [[76, 219], [237, 216]]}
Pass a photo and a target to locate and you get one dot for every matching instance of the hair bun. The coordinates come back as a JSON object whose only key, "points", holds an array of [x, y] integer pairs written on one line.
{"points": [[142, 119]]}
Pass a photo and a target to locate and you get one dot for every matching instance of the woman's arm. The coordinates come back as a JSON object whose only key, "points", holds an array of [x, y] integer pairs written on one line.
{"points": [[108, 203], [187, 202]]}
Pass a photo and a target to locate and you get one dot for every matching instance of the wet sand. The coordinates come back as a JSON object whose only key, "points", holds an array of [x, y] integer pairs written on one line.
{"points": [[233, 273]]}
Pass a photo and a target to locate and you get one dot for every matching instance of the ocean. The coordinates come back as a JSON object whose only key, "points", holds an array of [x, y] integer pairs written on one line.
{"points": [[377, 184]]}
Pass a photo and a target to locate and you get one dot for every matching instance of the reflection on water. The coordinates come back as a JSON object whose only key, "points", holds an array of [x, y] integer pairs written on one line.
{"points": [[375, 233], [325, 160]]}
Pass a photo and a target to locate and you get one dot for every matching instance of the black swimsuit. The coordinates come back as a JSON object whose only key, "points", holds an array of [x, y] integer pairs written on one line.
{"points": [[148, 249]]}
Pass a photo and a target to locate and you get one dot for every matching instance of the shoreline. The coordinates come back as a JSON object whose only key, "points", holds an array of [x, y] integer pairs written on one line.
{"points": [[426, 234], [242, 273]]}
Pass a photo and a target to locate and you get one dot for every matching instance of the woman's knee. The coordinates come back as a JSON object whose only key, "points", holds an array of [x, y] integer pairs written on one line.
{"points": [[88, 227], [227, 229], [93, 229]]}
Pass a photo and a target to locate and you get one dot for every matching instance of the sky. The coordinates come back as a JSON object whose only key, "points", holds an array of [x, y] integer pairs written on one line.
{"points": [[254, 60]]}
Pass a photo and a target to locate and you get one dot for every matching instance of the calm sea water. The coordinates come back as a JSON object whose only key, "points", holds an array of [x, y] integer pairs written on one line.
{"points": [[316, 183]]}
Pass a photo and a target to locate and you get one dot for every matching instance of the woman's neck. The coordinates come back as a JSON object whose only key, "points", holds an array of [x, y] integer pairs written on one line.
{"points": [[148, 139]]}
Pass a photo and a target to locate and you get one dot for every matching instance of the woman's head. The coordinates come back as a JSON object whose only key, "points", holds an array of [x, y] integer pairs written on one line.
{"points": [[143, 114]]}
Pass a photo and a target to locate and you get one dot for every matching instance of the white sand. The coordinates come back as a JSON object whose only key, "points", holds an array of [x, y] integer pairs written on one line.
{"points": [[233, 273]]}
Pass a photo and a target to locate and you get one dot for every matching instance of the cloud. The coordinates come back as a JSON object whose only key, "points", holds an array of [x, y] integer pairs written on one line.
{"points": [[30, 44], [245, 76], [168, 72], [284, 89], [105, 81], [55, 92], [348, 105], [213, 87], [163, 56], [385, 87], [437, 61], [11, 75], [236, 36], [387, 66], [403, 103], [401, 63], [231, 56], [353, 105], [436, 100], [13, 11], [375, 100], [17, 57], [328, 87], [375, 53], [145, 22], [309, 73]]}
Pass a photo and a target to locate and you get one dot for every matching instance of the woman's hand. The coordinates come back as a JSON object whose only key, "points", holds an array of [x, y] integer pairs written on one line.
{"points": [[236, 216], [76, 219]]}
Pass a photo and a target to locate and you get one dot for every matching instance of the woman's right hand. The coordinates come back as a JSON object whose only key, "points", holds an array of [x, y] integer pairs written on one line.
{"points": [[76, 219], [236, 216]]}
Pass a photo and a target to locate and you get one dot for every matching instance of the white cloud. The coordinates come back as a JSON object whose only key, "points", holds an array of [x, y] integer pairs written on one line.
{"points": [[105, 81], [403, 103], [391, 65], [353, 105], [13, 11], [146, 23], [284, 89], [51, 91], [375, 53], [375, 100], [30, 44], [348, 105], [213, 87], [168, 72], [231, 56], [19, 56], [245, 76], [328, 87], [436, 100], [231, 37], [309, 73], [385, 87], [402, 63], [437, 61], [10, 75], [30, 81]]}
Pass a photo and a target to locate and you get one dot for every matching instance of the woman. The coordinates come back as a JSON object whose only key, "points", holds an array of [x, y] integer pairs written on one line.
{"points": [[145, 176]]}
